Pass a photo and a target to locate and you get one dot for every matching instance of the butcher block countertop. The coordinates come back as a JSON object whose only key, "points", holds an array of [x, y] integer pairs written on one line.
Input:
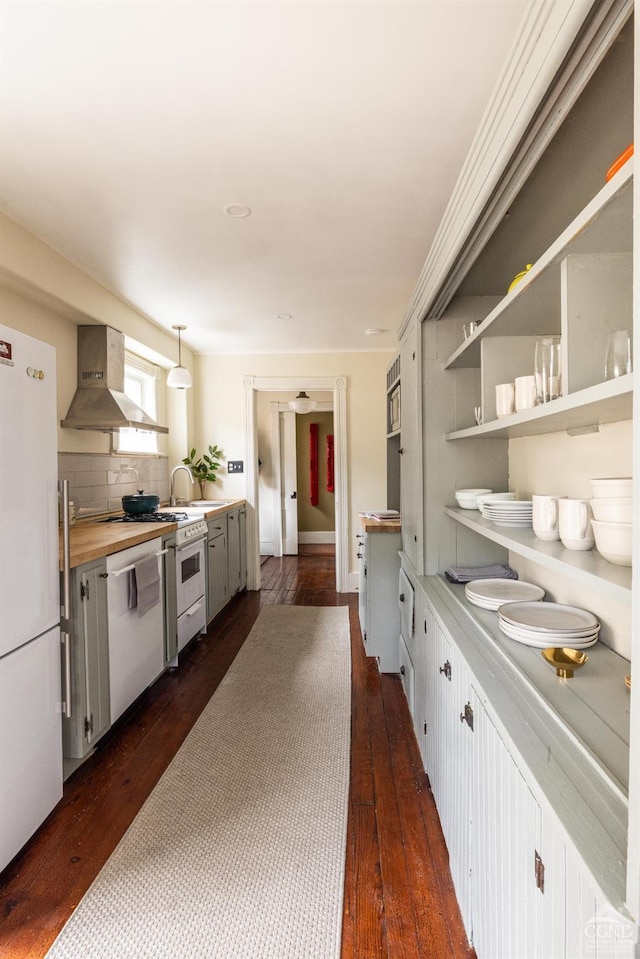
{"points": [[92, 539], [372, 525]]}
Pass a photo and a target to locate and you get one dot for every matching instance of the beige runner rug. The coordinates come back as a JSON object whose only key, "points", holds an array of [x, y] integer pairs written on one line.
{"points": [[239, 851]]}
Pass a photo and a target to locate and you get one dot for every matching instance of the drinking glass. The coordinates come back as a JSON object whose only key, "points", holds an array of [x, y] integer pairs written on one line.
{"points": [[617, 360], [548, 369]]}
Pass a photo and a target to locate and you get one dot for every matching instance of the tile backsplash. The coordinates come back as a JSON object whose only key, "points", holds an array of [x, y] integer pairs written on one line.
{"points": [[97, 483]]}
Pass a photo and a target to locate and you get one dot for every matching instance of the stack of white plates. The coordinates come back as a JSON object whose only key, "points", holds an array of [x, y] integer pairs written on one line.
{"points": [[514, 512], [549, 624], [493, 593]]}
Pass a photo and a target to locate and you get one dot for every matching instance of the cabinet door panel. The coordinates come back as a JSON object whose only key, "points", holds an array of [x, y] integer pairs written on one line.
{"points": [[217, 579], [420, 682], [505, 836], [411, 444], [233, 545], [96, 643]]}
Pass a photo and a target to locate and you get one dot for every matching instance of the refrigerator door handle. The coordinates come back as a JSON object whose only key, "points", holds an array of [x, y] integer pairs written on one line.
{"points": [[66, 704], [65, 610]]}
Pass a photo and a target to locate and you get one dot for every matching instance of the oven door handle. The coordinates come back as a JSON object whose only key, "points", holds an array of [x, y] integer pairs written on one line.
{"points": [[127, 569]]}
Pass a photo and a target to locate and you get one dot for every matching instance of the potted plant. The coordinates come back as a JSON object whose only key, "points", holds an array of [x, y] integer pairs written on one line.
{"points": [[205, 467]]}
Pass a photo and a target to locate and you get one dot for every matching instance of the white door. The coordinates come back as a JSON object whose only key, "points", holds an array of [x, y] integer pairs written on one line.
{"points": [[289, 488]]}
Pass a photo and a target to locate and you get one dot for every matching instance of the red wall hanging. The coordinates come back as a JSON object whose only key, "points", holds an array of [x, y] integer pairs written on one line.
{"points": [[330, 464], [313, 462]]}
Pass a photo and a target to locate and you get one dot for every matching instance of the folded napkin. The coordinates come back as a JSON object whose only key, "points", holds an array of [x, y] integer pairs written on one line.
{"points": [[147, 581], [464, 574]]}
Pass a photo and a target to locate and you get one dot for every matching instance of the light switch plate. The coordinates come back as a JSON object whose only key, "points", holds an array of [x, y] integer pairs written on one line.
{"points": [[235, 466]]}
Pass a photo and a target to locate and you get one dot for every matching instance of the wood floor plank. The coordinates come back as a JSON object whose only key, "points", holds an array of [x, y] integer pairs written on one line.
{"points": [[398, 889], [432, 918], [399, 914]]}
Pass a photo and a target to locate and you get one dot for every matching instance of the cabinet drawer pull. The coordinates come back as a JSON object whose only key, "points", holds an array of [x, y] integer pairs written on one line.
{"points": [[467, 716], [401, 597], [446, 669]]}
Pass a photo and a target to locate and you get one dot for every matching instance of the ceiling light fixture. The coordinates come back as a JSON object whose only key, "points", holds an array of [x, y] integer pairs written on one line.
{"points": [[374, 332], [302, 403], [284, 316], [237, 209], [179, 377]]}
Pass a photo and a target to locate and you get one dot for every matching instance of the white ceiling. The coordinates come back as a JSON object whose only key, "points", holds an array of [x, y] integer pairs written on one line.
{"points": [[126, 127]]}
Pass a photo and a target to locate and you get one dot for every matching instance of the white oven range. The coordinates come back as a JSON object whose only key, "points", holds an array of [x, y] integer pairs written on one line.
{"points": [[191, 579]]}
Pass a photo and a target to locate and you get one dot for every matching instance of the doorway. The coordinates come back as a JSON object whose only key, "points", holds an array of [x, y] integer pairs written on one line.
{"points": [[303, 501], [338, 387]]}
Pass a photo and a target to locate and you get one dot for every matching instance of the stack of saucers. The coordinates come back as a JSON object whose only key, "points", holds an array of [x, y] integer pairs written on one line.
{"points": [[494, 593], [549, 624], [514, 512], [485, 498]]}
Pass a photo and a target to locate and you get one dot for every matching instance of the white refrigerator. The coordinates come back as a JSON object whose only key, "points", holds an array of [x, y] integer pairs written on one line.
{"points": [[30, 692]]}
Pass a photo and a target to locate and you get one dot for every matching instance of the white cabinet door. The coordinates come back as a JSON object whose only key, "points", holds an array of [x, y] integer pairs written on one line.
{"points": [[420, 679], [447, 754], [505, 837]]}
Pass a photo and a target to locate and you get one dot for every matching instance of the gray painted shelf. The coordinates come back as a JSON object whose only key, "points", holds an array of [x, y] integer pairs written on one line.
{"points": [[588, 567]]}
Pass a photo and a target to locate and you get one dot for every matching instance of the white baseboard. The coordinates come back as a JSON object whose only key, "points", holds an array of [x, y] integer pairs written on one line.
{"points": [[353, 582], [267, 548], [327, 536]]}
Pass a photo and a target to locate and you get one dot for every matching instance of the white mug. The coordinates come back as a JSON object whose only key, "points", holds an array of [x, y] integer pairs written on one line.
{"points": [[575, 523], [505, 399], [525, 392], [545, 516]]}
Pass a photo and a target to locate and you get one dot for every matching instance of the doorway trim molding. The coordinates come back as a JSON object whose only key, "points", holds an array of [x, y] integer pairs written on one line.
{"points": [[276, 384]]}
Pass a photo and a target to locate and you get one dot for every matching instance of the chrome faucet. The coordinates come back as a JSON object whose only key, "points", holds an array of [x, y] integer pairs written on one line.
{"points": [[172, 500]]}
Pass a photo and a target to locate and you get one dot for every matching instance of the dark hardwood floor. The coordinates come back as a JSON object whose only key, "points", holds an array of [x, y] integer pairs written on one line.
{"points": [[399, 901]]}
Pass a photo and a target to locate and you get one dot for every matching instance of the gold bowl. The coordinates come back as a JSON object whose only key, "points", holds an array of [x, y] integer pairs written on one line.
{"points": [[564, 660]]}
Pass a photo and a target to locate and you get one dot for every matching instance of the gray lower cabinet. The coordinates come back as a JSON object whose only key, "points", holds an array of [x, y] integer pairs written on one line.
{"points": [[87, 715], [242, 520], [237, 549], [170, 598], [217, 566], [378, 597]]}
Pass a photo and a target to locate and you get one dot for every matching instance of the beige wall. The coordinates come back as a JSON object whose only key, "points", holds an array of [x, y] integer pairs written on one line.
{"points": [[322, 517], [219, 416], [46, 296]]}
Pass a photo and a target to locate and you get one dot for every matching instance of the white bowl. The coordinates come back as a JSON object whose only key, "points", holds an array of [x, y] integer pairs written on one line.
{"points": [[612, 487], [468, 498], [613, 510], [613, 541]]}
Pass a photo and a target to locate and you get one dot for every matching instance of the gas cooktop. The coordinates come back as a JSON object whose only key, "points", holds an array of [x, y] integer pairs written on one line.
{"points": [[149, 518]]}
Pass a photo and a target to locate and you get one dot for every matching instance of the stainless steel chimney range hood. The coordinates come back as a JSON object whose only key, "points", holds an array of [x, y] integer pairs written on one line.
{"points": [[100, 402]]}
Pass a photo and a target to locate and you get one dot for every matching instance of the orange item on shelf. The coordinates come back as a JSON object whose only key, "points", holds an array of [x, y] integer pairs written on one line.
{"points": [[620, 162]]}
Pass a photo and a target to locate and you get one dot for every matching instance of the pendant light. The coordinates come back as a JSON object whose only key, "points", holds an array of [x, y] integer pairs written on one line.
{"points": [[179, 377], [302, 403]]}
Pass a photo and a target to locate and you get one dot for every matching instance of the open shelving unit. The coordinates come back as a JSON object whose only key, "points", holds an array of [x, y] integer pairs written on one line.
{"points": [[586, 567]]}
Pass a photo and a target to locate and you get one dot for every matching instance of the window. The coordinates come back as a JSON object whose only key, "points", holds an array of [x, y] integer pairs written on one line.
{"points": [[140, 385]]}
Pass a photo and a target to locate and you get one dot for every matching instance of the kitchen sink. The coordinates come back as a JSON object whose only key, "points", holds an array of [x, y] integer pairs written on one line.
{"points": [[210, 503]]}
